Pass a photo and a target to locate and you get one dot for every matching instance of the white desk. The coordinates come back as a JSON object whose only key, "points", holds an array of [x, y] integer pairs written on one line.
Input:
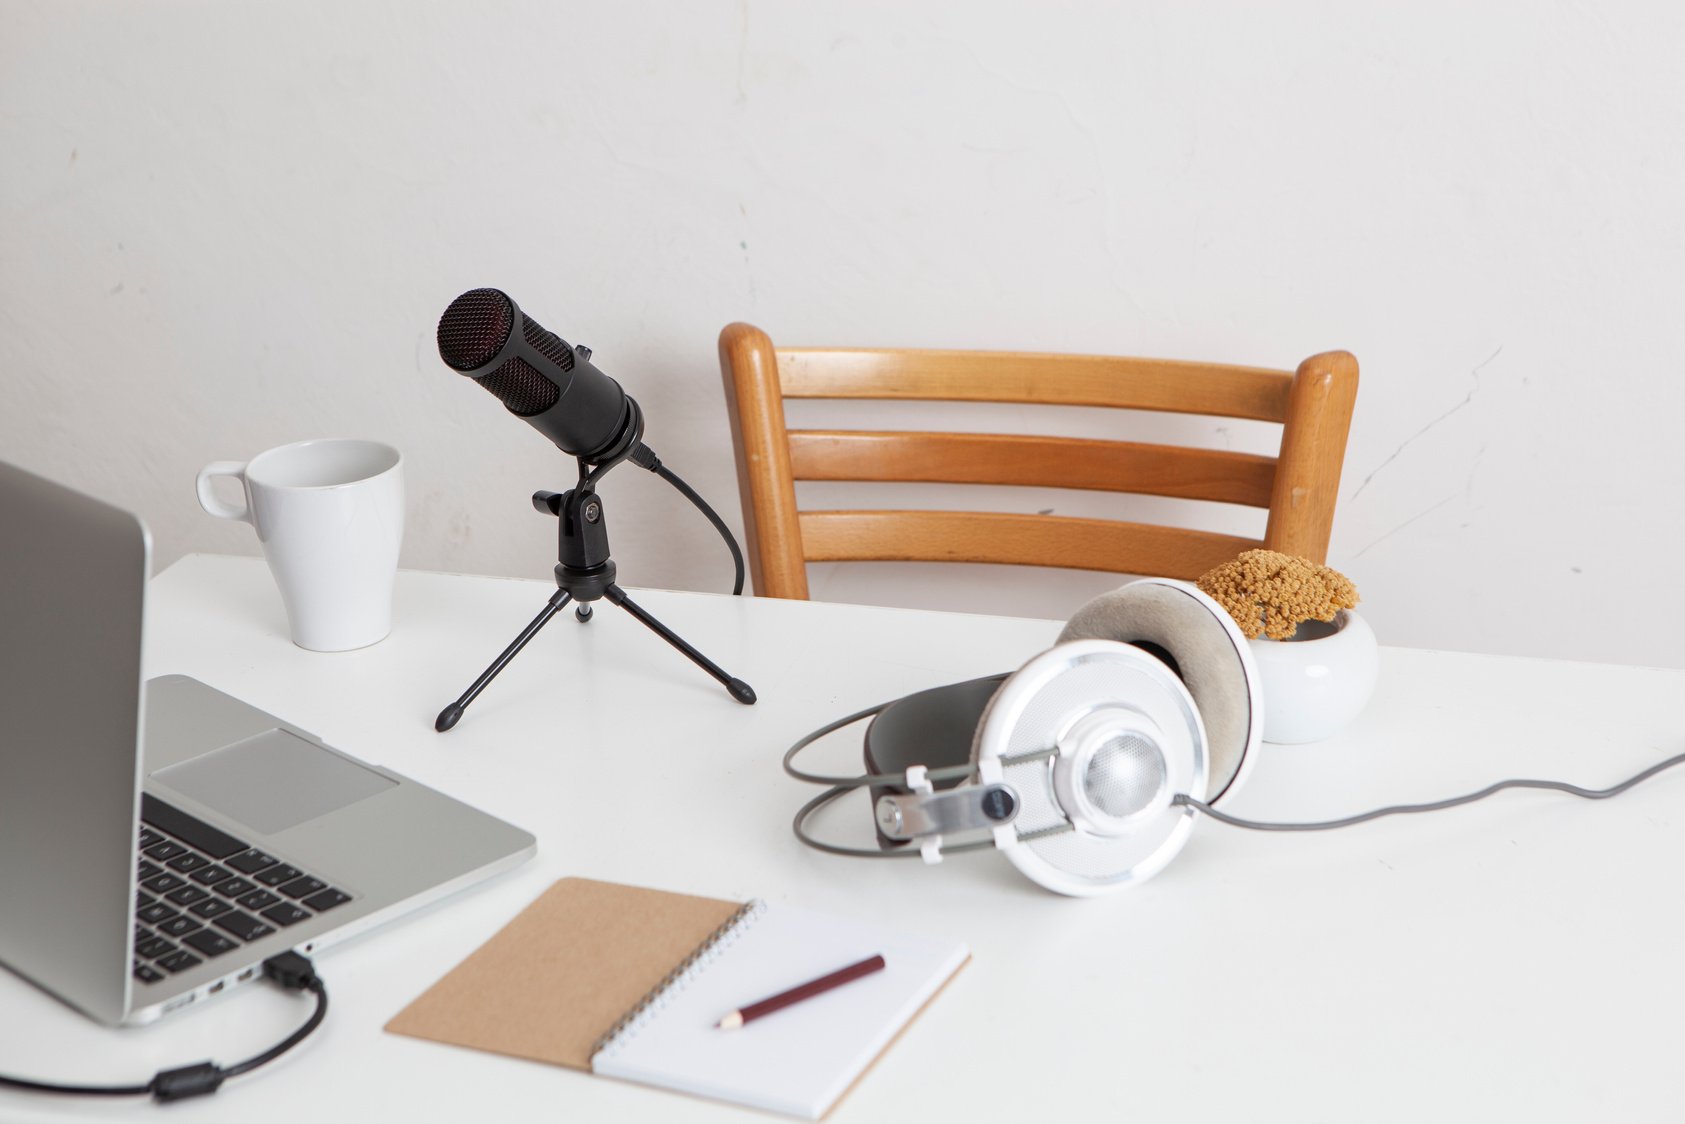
{"points": [[1517, 959]]}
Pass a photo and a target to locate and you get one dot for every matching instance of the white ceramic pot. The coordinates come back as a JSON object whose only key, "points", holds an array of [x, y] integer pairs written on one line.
{"points": [[1317, 682]]}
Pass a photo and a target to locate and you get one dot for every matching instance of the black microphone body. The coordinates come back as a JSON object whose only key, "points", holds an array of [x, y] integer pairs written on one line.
{"points": [[539, 377]]}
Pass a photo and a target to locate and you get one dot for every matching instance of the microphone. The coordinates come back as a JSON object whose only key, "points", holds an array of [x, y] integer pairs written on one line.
{"points": [[539, 377]]}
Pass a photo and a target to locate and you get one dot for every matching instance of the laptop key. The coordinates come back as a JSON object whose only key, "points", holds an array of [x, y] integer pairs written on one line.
{"points": [[187, 895], [163, 883], [234, 887], [153, 948], [209, 875], [156, 912], [250, 862], [147, 870], [286, 914], [165, 850], [188, 862], [216, 843], [258, 899], [148, 837], [278, 874], [179, 926], [210, 907], [143, 899], [243, 925], [146, 973], [327, 899], [209, 943], [299, 887], [179, 961]]}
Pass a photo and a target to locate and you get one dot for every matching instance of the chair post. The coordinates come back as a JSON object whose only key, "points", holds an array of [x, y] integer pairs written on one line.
{"points": [[749, 367], [1313, 443]]}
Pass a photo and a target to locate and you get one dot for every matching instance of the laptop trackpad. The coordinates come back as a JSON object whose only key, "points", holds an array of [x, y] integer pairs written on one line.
{"points": [[273, 780]]}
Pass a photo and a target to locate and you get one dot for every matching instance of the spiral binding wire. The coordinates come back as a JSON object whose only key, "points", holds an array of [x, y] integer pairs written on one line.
{"points": [[674, 981]]}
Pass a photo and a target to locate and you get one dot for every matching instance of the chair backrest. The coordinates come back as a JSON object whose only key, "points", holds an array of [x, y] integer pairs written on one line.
{"points": [[1313, 405]]}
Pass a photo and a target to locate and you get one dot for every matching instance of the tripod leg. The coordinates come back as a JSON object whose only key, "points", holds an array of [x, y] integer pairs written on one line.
{"points": [[738, 689], [449, 716]]}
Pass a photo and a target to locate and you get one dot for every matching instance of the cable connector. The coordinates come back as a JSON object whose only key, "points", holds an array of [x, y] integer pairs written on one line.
{"points": [[187, 1081], [292, 971], [644, 457]]}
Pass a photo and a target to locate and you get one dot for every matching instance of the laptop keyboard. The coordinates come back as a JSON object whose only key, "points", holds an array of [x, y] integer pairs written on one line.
{"points": [[204, 892]]}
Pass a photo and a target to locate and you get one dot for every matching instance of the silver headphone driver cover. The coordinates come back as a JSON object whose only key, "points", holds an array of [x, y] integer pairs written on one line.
{"points": [[1097, 738]]}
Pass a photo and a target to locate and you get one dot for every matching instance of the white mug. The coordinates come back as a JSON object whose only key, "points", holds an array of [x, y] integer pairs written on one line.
{"points": [[330, 515]]}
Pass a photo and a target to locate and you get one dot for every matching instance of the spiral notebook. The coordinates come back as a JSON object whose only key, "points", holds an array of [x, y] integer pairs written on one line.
{"points": [[630, 983]]}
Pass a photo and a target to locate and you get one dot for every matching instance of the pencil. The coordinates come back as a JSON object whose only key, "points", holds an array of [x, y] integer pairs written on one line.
{"points": [[796, 994]]}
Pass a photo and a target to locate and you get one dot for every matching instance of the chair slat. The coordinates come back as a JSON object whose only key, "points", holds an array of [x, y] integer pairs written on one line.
{"points": [[1022, 540], [1054, 462], [1065, 380]]}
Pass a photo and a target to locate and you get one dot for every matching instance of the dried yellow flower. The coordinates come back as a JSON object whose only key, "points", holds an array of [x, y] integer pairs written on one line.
{"points": [[1270, 594]]}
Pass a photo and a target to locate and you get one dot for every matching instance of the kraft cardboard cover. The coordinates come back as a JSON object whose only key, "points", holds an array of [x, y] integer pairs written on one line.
{"points": [[564, 971]]}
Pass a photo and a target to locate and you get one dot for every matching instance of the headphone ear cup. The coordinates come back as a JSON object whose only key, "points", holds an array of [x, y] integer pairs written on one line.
{"points": [[1096, 739], [1198, 640]]}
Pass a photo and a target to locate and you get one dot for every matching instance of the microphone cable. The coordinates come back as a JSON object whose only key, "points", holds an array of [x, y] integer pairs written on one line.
{"points": [[289, 969], [644, 457]]}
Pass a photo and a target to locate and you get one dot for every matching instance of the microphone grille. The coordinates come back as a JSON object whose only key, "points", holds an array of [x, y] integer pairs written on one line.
{"points": [[474, 328], [547, 344], [521, 388]]}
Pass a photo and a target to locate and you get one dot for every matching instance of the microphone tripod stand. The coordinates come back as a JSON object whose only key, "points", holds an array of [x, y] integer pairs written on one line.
{"points": [[585, 573]]}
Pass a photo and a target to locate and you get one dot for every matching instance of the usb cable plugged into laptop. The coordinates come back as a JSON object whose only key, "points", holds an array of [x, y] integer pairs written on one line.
{"points": [[291, 970]]}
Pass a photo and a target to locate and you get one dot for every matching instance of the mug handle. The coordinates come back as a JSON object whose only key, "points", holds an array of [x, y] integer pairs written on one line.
{"points": [[211, 503]]}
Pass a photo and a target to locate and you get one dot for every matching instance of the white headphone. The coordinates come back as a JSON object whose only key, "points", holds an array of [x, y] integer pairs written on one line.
{"points": [[1074, 764], [1086, 765]]}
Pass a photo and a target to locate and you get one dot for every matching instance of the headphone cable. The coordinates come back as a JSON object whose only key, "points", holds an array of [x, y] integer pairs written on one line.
{"points": [[1436, 805]]}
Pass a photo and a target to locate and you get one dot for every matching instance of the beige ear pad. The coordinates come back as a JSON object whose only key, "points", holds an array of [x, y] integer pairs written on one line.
{"points": [[1205, 647]]}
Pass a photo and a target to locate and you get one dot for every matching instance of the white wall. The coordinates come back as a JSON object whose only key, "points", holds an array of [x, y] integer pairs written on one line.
{"points": [[224, 226]]}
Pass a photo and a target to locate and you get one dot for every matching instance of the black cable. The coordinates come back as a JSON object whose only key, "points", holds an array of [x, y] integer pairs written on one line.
{"points": [[290, 975], [84, 1090], [644, 457], [289, 969], [1436, 805]]}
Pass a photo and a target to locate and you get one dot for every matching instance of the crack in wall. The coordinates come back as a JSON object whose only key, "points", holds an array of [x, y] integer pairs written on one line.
{"points": [[1401, 526], [1468, 484], [1475, 389]]}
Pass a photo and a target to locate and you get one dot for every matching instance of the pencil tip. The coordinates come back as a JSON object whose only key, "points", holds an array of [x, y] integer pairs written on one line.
{"points": [[732, 1021]]}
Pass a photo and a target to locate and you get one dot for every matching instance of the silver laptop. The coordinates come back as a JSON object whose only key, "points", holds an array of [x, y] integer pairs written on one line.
{"points": [[160, 840]]}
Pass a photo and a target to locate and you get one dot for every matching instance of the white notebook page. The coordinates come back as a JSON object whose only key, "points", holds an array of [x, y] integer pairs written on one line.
{"points": [[797, 1061]]}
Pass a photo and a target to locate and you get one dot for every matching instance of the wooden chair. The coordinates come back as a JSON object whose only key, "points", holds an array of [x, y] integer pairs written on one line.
{"points": [[1313, 405]]}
